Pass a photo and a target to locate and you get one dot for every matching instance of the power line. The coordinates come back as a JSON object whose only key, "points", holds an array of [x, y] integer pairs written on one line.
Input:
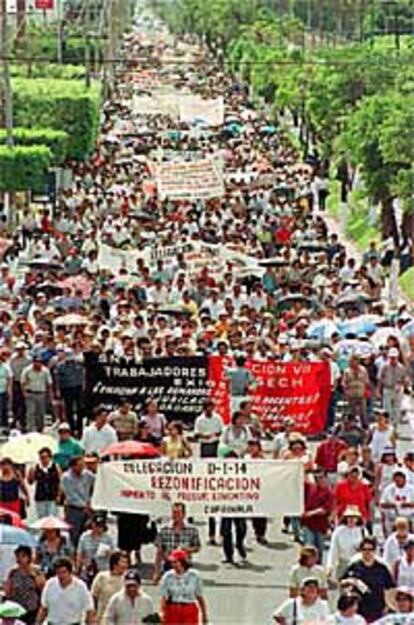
{"points": [[322, 62]]}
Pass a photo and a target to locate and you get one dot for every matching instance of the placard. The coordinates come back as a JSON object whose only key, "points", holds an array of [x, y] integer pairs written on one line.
{"points": [[194, 109], [190, 180], [213, 487], [300, 390], [178, 384]]}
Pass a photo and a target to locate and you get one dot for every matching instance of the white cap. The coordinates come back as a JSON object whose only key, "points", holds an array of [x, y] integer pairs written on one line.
{"points": [[393, 352]]}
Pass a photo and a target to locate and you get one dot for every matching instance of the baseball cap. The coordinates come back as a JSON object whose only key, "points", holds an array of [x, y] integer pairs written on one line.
{"points": [[393, 352], [64, 427], [99, 518], [132, 577]]}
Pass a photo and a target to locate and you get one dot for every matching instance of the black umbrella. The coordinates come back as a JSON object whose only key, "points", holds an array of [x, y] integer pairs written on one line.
{"points": [[289, 300], [312, 247], [44, 264], [274, 262]]}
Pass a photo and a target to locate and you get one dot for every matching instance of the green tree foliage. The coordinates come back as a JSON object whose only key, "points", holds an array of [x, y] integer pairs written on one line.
{"points": [[65, 105], [55, 140], [24, 167]]}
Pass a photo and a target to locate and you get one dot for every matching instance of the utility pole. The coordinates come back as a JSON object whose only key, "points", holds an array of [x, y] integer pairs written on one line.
{"points": [[9, 197], [20, 24], [7, 92], [87, 19], [60, 28]]}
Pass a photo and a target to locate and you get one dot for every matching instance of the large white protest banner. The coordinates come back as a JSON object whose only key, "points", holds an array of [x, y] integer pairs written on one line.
{"points": [[155, 104], [190, 180], [194, 109], [219, 487]]}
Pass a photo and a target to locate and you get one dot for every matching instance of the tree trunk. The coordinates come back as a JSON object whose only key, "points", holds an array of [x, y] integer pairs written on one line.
{"points": [[388, 221], [407, 224]]}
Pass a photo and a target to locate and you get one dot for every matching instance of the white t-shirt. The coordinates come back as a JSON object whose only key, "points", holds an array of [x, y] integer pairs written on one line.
{"points": [[395, 495], [338, 619], [94, 440], [318, 612], [209, 425], [66, 605]]}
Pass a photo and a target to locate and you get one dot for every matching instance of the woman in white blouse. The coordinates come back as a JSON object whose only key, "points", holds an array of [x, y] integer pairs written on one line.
{"points": [[345, 542]]}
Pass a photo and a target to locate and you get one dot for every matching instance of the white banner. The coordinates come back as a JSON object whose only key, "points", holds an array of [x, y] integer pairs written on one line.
{"points": [[190, 180], [214, 487], [164, 104], [194, 109]]}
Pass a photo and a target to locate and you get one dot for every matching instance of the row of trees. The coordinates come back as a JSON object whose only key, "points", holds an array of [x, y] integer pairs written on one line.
{"points": [[54, 106], [355, 102]]}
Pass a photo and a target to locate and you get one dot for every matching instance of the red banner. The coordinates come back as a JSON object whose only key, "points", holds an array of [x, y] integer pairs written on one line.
{"points": [[219, 386], [44, 4], [300, 390]]}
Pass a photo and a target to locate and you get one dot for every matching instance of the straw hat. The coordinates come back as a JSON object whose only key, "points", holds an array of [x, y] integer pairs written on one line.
{"points": [[392, 593], [352, 511]]}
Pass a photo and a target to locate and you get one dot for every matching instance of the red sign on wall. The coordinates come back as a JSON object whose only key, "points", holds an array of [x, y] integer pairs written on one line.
{"points": [[44, 4]]}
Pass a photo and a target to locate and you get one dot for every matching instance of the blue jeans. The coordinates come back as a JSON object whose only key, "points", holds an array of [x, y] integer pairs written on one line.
{"points": [[46, 508], [316, 539]]}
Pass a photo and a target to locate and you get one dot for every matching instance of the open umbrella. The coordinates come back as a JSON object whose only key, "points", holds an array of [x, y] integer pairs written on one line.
{"points": [[364, 324], [381, 336], [78, 282], [287, 302], [44, 264], [25, 448], [72, 319], [354, 346], [15, 518], [268, 130], [50, 523], [322, 329], [10, 535], [408, 329], [11, 609], [131, 449], [276, 261]]}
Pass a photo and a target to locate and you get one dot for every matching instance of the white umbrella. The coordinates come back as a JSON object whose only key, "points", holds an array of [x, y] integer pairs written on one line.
{"points": [[381, 336], [72, 319], [25, 448]]}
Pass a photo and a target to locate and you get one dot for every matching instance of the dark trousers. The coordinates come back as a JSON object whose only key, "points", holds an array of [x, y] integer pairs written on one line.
{"points": [[209, 450], [72, 398], [76, 518], [226, 530], [4, 421], [260, 526], [18, 405]]}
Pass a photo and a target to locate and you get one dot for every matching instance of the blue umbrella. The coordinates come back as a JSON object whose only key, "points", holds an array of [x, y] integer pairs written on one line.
{"points": [[268, 130], [357, 326], [408, 329], [10, 535], [322, 330]]}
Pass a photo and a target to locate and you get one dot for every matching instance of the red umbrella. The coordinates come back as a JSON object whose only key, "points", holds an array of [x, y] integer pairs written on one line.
{"points": [[16, 521], [132, 449]]}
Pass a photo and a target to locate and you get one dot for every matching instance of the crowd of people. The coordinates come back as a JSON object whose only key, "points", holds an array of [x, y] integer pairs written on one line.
{"points": [[255, 273]]}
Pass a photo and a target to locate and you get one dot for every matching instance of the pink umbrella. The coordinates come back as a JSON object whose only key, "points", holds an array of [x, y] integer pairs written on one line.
{"points": [[131, 449], [78, 282]]}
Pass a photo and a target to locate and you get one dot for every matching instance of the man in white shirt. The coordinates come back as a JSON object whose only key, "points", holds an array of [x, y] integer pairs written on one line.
{"points": [[208, 428], [397, 500], [130, 605], [100, 434], [65, 598]]}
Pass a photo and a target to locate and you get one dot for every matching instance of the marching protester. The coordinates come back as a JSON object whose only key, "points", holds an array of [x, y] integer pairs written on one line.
{"points": [[187, 307]]}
